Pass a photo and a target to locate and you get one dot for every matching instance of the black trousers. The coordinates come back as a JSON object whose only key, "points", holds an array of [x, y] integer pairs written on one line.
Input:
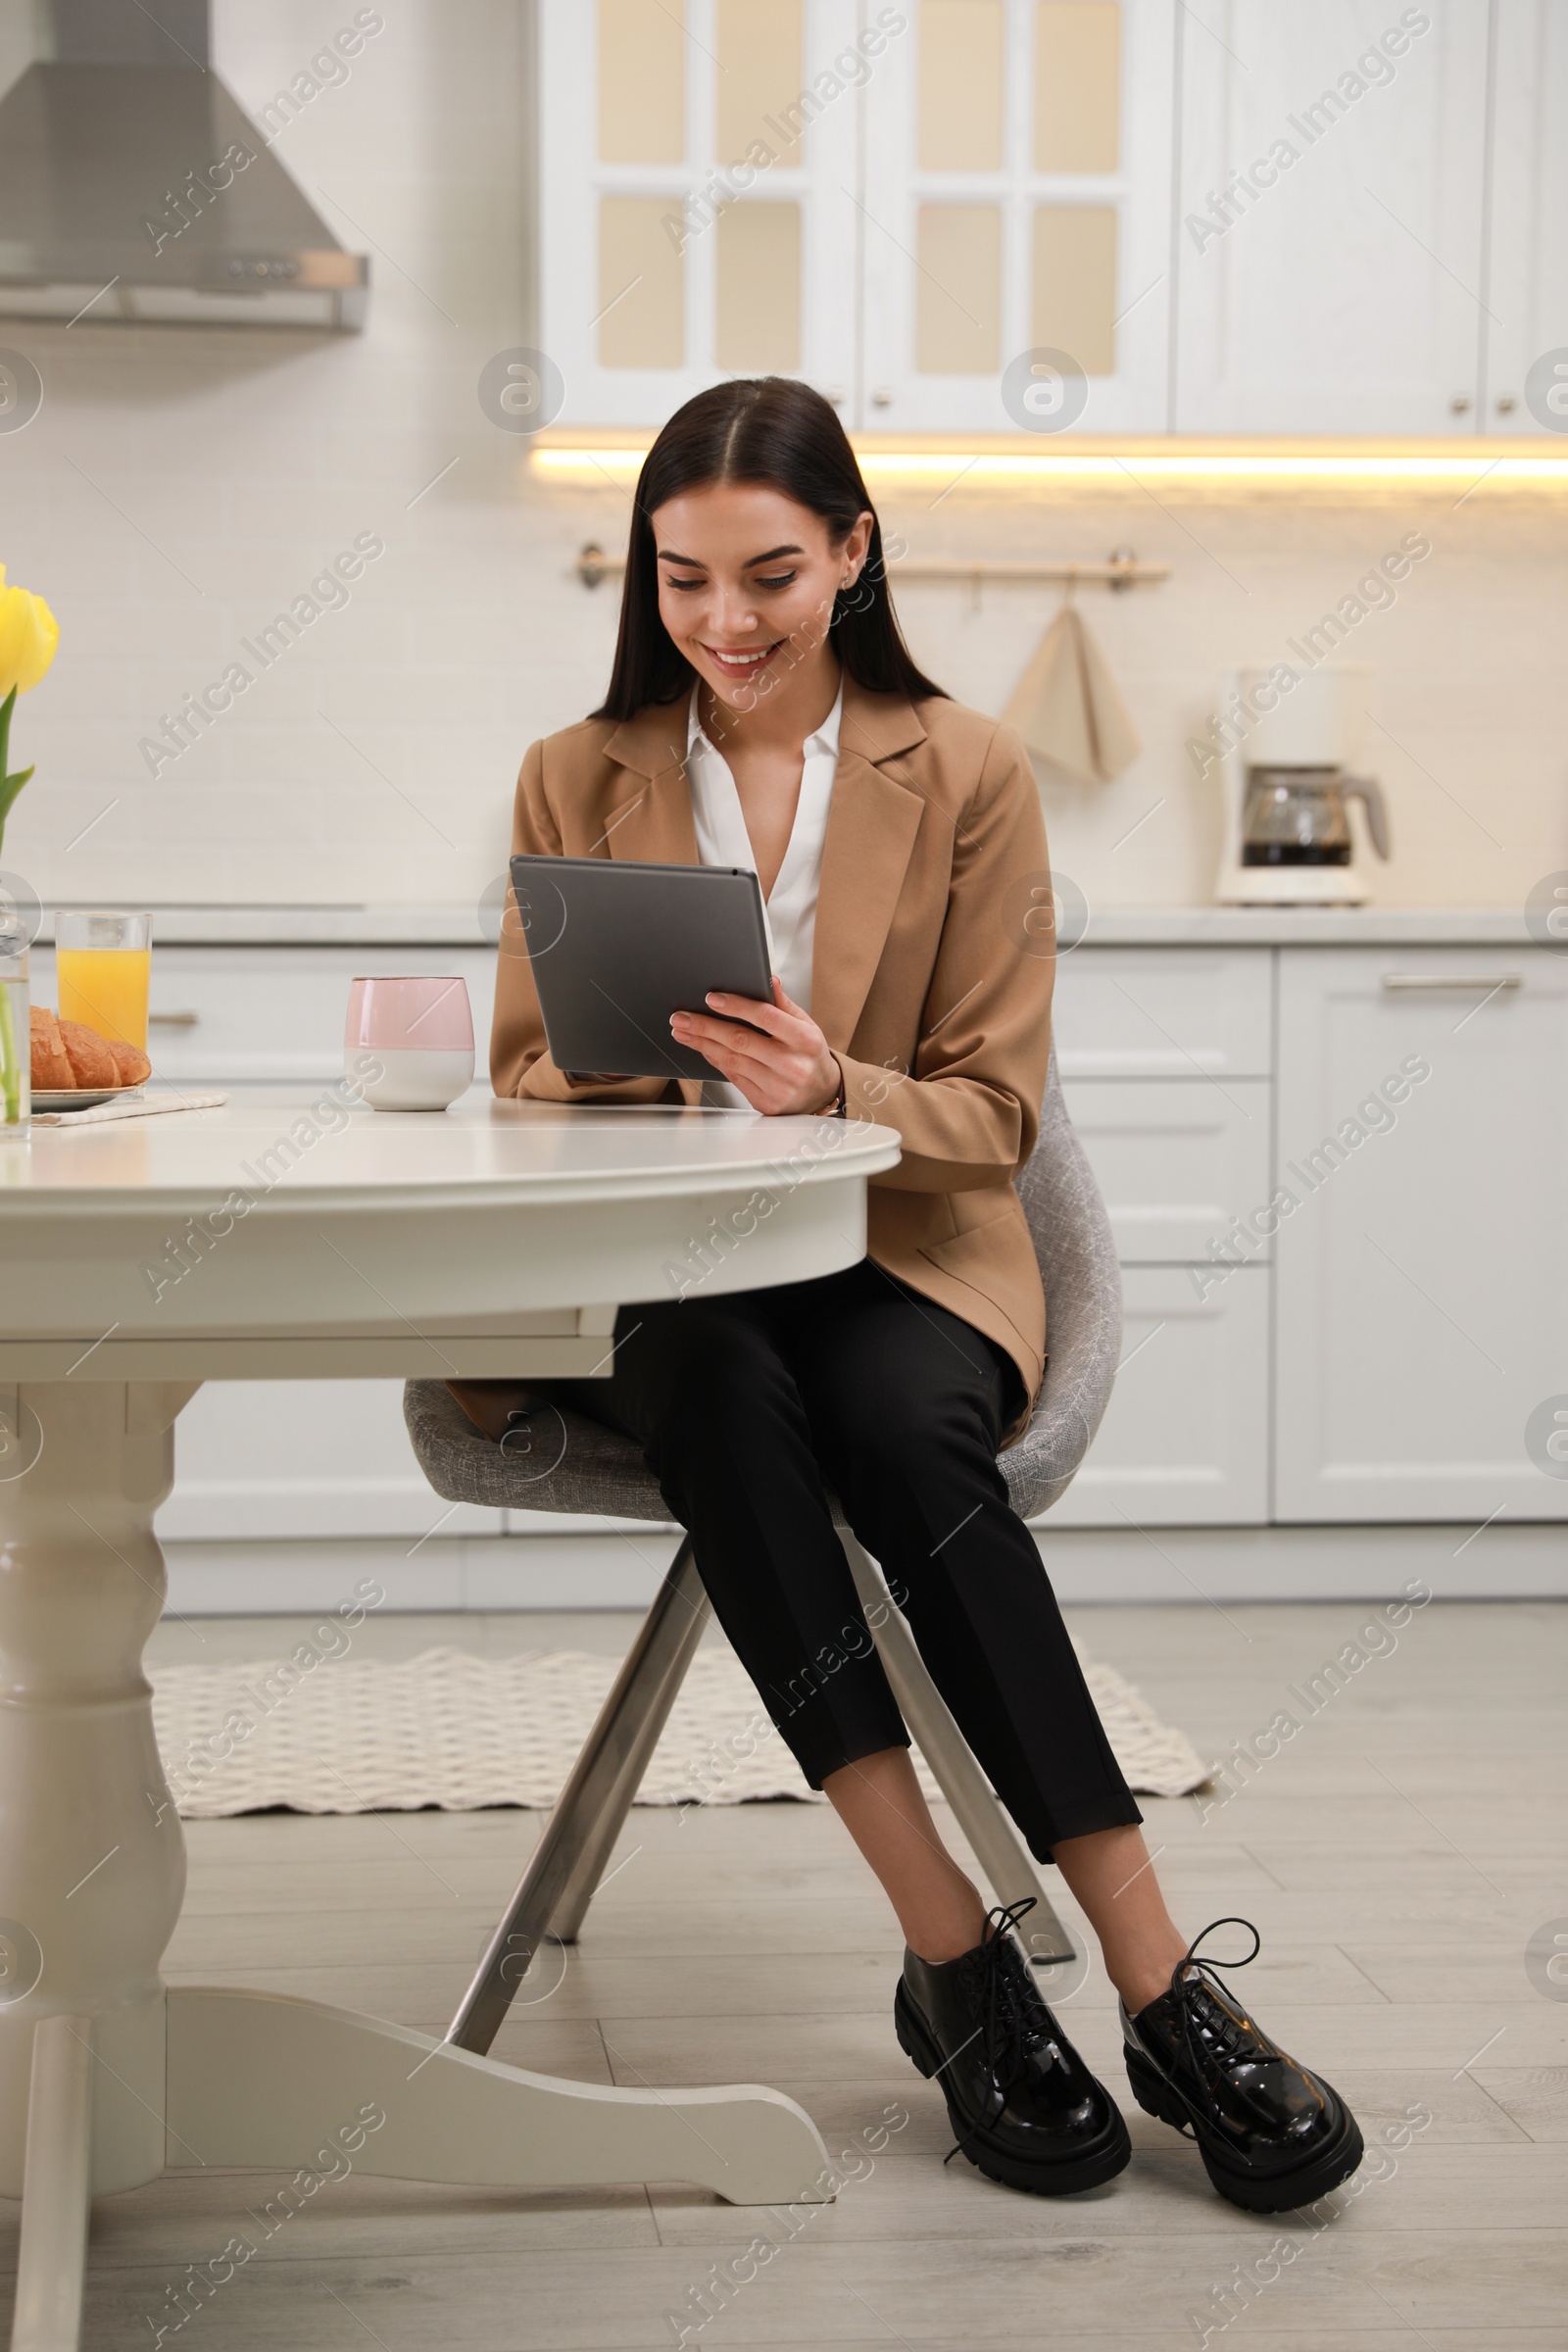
{"points": [[747, 1409]]}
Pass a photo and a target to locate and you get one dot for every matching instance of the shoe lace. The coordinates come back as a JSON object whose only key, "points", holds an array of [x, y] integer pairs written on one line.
{"points": [[1217, 2035], [1014, 2022]]}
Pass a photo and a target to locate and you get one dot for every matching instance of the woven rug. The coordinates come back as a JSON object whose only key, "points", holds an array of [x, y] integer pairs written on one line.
{"points": [[460, 1731]]}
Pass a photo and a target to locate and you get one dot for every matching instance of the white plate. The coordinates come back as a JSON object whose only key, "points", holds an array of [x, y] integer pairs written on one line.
{"points": [[79, 1098]]}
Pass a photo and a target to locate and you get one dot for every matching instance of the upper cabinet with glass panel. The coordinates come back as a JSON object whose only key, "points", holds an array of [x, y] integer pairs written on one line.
{"points": [[892, 201], [1016, 200], [967, 216], [697, 215]]}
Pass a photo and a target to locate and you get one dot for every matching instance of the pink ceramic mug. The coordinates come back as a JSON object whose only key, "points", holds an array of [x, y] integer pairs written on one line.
{"points": [[409, 1040]]}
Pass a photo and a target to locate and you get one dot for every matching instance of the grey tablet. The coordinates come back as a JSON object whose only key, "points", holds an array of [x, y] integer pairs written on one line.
{"points": [[617, 947]]}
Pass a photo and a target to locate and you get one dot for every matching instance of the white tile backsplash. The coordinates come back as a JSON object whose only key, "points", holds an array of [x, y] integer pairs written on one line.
{"points": [[181, 486]]}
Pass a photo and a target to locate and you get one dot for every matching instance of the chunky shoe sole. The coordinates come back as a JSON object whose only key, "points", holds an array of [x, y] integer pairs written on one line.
{"points": [[1062, 2179], [1257, 2192]]}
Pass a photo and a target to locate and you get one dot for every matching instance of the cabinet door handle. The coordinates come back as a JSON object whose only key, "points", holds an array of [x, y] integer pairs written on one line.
{"points": [[1465, 980], [173, 1020]]}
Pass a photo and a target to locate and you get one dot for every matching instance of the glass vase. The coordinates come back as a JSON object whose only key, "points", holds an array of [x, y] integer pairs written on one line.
{"points": [[16, 1037]]}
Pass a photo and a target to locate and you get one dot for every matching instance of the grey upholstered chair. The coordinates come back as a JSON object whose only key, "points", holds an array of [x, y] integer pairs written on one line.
{"points": [[603, 1473]]}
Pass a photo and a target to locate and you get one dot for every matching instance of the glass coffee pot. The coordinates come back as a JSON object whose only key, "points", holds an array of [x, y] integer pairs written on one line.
{"points": [[1297, 817]]}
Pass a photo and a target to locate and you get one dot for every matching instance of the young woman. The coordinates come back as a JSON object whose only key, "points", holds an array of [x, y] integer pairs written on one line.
{"points": [[764, 711]]}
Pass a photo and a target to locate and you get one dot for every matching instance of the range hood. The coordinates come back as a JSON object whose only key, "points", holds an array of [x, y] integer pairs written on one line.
{"points": [[133, 186]]}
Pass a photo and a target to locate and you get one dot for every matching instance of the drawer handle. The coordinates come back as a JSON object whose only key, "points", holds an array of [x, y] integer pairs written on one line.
{"points": [[173, 1020], [1466, 980]]}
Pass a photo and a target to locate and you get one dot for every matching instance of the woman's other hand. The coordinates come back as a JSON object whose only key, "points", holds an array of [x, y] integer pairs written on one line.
{"points": [[781, 1063]]}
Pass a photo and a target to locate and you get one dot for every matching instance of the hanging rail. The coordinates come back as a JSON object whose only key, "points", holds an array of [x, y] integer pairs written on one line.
{"points": [[1120, 571]]}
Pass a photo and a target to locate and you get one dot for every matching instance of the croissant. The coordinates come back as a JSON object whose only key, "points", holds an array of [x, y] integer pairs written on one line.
{"points": [[68, 1056]]}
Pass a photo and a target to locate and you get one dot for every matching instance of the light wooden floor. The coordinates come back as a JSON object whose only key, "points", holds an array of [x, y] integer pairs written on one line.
{"points": [[1397, 1856]]}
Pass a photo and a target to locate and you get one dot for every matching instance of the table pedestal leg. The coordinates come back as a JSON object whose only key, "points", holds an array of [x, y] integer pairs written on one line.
{"points": [[265, 2082], [52, 2254], [92, 1871], [92, 1864]]}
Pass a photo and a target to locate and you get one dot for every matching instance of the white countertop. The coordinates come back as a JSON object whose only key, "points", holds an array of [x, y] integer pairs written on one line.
{"points": [[1109, 927], [315, 926], [1306, 927]]}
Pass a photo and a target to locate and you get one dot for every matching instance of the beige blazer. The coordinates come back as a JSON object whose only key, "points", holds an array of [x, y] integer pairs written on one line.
{"points": [[931, 975]]}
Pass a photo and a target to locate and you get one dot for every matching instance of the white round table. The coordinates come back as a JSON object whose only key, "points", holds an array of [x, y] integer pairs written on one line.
{"points": [[286, 1237]]}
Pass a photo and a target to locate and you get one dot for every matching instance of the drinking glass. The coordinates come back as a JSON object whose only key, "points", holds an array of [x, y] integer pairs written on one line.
{"points": [[102, 961]]}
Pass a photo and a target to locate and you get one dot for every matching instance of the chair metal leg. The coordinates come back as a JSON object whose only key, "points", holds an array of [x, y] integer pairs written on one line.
{"points": [[975, 1807], [572, 1845], [583, 1884]]}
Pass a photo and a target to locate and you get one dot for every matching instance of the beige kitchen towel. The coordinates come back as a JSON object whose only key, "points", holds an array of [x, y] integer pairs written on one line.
{"points": [[127, 1107], [1067, 706]]}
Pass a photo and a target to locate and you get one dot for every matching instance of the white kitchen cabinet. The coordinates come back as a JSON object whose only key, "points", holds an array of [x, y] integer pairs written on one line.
{"points": [[1342, 219], [1164, 1012], [1330, 208], [1411, 1312], [1176, 1160], [264, 1017], [1422, 1283], [265, 1459], [1185, 1437], [1165, 1057], [697, 210], [1526, 320], [261, 1015], [1016, 199], [890, 201]]}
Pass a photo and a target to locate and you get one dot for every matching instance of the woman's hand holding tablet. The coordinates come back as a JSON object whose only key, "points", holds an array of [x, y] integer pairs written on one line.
{"points": [[775, 1054]]}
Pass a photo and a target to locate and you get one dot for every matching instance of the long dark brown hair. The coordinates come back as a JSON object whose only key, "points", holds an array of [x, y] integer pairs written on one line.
{"points": [[774, 430]]}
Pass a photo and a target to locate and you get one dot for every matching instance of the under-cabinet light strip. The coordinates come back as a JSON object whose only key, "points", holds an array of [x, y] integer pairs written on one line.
{"points": [[564, 462]]}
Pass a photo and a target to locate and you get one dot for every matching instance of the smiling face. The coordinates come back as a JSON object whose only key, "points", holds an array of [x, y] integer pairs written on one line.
{"points": [[746, 585]]}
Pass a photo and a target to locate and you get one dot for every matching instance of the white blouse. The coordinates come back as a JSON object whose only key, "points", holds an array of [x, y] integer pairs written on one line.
{"points": [[789, 910]]}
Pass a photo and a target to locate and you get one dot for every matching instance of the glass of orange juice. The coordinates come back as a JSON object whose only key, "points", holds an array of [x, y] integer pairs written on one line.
{"points": [[102, 962]]}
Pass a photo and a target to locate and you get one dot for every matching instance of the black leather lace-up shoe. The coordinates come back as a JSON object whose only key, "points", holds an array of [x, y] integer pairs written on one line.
{"points": [[1271, 2136], [1025, 2108]]}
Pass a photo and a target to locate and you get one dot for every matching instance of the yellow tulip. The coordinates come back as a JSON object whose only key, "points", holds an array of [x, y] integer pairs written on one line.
{"points": [[28, 635]]}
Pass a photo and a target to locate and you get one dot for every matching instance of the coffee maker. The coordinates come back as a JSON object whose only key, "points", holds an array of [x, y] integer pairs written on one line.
{"points": [[1287, 786]]}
